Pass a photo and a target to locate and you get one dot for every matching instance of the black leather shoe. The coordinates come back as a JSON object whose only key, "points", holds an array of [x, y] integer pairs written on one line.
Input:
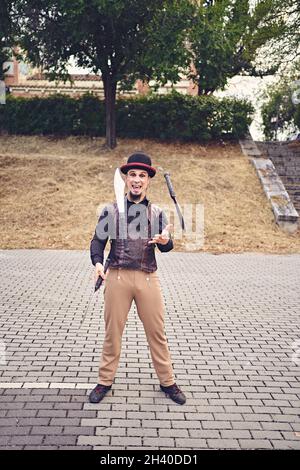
{"points": [[98, 393], [174, 392]]}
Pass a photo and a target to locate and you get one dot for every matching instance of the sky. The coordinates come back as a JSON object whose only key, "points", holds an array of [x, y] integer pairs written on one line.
{"points": [[249, 88]]}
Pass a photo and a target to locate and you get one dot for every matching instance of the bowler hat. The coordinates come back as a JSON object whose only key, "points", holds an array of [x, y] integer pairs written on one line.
{"points": [[141, 161]]}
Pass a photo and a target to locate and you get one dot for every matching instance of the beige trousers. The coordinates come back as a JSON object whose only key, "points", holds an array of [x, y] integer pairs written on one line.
{"points": [[121, 287]]}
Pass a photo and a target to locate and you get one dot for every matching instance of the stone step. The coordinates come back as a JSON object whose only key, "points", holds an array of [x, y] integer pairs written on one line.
{"points": [[292, 188], [294, 197], [279, 149], [250, 148], [286, 159], [292, 177], [290, 184], [280, 153], [286, 164], [279, 171], [289, 179]]}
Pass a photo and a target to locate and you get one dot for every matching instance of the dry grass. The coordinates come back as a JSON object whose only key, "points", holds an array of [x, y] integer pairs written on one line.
{"points": [[51, 188]]}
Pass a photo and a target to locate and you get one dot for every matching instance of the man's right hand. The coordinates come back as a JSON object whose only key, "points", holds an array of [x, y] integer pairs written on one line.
{"points": [[99, 271]]}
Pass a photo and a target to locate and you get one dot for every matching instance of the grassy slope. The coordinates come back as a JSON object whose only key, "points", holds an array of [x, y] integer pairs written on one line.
{"points": [[51, 190]]}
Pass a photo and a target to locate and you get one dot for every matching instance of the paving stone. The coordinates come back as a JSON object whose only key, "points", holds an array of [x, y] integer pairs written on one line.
{"points": [[26, 440], [223, 444], [255, 444], [59, 440], [126, 441], [231, 343]]}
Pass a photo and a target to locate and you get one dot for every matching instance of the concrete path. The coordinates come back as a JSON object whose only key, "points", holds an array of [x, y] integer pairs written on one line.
{"points": [[232, 323]]}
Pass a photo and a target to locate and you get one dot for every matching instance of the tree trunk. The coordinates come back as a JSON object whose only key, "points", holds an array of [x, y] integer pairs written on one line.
{"points": [[110, 89]]}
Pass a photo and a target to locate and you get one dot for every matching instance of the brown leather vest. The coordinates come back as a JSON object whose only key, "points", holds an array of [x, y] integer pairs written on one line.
{"points": [[135, 253]]}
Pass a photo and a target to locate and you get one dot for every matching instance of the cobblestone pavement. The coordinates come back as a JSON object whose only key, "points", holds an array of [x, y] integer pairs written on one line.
{"points": [[232, 323]]}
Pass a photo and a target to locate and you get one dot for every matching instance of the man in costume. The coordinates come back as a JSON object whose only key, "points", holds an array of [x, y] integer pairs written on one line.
{"points": [[132, 276]]}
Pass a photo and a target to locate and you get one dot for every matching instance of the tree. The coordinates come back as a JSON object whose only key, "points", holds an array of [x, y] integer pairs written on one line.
{"points": [[281, 105], [121, 39], [287, 46], [6, 35], [225, 39]]}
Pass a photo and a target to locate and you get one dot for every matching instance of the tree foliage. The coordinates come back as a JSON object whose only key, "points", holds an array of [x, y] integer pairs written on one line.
{"points": [[225, 38], [120, 39], [281, 105], [286, 47], [126, 40]]}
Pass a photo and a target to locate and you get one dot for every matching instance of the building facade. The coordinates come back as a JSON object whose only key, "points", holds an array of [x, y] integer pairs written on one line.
{"points": [[22, 80]]}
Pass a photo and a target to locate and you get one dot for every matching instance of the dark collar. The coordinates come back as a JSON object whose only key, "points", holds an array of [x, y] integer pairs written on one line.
{"points": [[145, 201]]}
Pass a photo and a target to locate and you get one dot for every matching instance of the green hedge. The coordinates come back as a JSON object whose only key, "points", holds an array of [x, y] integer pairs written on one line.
{"points": [[166, 117]]}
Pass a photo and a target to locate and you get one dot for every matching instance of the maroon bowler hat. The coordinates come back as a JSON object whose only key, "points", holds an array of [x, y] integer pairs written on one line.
{"points": [[141, 161]]}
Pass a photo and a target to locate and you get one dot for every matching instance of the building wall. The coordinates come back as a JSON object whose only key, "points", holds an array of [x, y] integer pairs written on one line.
{"points": [[26, 82]]}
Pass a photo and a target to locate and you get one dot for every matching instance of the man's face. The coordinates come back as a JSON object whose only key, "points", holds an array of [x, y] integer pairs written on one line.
{"points": [[137, 183]]}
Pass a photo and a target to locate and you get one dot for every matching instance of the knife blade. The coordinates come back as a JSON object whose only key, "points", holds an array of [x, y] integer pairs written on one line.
{"points": [[119, 185]]}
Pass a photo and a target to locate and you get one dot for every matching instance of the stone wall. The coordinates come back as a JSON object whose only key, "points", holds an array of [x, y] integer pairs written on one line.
{"points": [[286, 159], [285, 213]]}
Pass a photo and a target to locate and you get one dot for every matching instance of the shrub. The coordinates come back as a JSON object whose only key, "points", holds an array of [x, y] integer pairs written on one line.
{"points": [[167, 117]]}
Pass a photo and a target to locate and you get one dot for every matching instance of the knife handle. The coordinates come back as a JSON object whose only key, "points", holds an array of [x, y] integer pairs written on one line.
{"points": [[100, 278], [169, 184]]}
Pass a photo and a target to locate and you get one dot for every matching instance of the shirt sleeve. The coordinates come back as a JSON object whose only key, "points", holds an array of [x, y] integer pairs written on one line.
{"points": [[99, 239], [163, 221]]}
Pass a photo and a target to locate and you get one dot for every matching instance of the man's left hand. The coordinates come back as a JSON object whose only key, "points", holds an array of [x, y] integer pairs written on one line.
{"points": [[163, 237]]}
